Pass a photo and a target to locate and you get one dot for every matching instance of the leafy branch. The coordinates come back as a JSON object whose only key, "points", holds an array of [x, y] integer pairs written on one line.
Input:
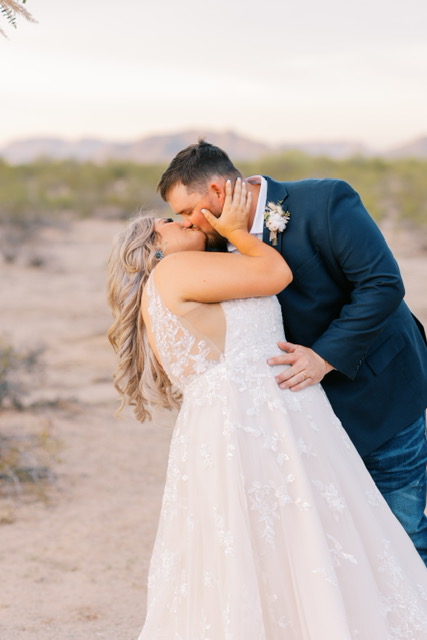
{"points": [[9, 9]]}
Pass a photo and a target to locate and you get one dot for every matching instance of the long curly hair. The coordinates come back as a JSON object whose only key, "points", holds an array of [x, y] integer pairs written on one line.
{"points": [[139, 378]]}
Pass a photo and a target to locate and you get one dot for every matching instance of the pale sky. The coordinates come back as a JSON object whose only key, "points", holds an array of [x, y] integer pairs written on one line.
{"points": [[276, 71]]}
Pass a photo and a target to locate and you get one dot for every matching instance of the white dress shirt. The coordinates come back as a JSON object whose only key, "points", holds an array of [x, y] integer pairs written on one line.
{"points": [[258, 222]]}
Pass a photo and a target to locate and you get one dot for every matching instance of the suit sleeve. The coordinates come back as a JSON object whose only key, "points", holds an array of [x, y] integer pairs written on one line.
{"points": [[359, 250]]}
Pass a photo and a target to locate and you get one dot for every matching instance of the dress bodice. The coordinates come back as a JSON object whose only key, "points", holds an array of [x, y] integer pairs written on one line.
{"points": [[253, 328]]}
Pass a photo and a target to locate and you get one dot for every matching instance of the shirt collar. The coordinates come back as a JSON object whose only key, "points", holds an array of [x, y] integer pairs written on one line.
{"points": [[258, 222]]}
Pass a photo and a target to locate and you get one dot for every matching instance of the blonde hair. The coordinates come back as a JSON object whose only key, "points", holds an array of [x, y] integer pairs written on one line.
{"points": [[139, 378]]}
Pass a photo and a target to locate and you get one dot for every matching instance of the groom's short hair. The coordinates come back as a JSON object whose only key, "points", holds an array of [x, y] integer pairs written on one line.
{"points": [[194, 166]]}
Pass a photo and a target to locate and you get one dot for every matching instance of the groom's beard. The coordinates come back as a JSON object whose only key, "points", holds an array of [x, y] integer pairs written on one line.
{"points": [[215, 242]]}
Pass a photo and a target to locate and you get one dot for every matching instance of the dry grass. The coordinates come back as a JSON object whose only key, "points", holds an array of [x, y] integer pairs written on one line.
{"points": [[18, 368], [25, 458], [26, 441]]}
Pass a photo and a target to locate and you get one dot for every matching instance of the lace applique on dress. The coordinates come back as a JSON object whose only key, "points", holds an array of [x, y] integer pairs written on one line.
{"points": [[183, 356]]}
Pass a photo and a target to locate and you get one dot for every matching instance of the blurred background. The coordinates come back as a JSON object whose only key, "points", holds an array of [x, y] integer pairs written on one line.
{"points": [[95, 100]]}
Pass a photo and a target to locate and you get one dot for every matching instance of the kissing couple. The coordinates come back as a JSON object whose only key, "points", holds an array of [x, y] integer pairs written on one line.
{"points": [[295, 492]]}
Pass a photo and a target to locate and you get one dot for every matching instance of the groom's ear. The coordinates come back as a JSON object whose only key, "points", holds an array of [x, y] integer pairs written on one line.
{"points": [[217, 190]]}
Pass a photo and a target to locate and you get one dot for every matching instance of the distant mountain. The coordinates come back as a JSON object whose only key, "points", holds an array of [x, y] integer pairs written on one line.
{"points": [[162, 148], [415, 149], [337, 150], [153, 149]]}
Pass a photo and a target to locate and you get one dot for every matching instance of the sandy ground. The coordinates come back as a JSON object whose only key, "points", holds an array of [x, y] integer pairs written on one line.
{"points": [[74, 558]]}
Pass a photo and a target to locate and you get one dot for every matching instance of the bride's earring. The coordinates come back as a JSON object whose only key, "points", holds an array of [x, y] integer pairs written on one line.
{"points": [[159, 254]]}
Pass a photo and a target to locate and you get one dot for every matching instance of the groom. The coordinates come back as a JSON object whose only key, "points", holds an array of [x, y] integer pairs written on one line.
{"points": [[343, 314]]}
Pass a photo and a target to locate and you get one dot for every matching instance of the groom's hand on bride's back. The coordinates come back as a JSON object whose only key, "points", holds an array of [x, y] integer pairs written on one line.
{"points": [[305, 367]]}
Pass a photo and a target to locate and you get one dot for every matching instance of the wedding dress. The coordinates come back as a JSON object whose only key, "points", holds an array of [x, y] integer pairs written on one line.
{"points": [[270, 528]]}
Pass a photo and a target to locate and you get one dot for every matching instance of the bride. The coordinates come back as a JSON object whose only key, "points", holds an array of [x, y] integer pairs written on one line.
{"points": [[270, 526]]}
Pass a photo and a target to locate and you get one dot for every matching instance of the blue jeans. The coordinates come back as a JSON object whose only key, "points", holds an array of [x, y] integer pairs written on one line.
{"points": [[398, 468]]}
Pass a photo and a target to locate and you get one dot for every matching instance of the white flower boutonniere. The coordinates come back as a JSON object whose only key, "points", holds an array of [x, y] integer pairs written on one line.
{"points": [[276, 220]]}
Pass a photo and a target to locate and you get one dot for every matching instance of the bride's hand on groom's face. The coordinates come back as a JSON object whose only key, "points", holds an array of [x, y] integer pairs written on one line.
{"points": [[235, 211], [306, 367]]}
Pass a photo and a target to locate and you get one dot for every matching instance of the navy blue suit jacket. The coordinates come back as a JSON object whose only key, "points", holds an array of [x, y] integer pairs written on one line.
{"points": [[346, 303]]}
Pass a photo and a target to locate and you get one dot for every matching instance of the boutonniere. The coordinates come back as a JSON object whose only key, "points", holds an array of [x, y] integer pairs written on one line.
{"points": [[275, 220]]}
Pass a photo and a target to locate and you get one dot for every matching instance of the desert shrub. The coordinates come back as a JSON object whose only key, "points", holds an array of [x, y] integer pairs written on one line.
{"points": [[26, 441], [25, 458], [17, 371], [48, 192], [396, 187]]}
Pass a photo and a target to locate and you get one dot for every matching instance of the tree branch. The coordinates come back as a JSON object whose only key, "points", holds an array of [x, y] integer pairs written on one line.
{"points": [[9, 9]]}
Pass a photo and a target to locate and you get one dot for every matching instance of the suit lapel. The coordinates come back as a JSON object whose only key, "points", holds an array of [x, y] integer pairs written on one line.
{"points": [[277, 193]]}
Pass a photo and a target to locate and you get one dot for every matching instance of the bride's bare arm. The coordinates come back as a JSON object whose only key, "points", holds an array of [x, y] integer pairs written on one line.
{"points": [[257, 270]]}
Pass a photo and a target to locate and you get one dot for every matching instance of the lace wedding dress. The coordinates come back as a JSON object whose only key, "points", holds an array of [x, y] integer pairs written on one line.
{"points": [[270, 528]]}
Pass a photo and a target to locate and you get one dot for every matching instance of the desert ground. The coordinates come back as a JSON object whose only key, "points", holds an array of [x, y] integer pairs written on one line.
{"points": [[74, 551]]}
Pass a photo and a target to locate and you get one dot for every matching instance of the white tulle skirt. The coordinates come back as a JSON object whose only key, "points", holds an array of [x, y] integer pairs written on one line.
{"points": [[272, 529]]}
